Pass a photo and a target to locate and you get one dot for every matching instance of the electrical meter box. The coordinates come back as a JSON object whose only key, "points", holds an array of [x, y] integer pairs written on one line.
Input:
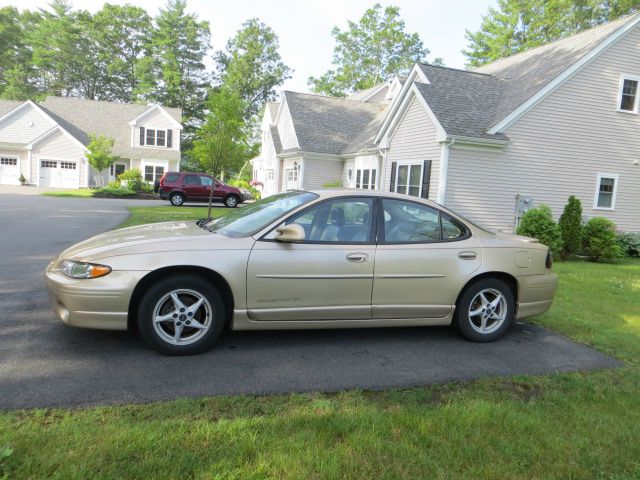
{"points": [[524, 203]]}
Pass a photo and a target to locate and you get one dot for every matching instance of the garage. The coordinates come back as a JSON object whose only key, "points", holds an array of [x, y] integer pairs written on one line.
{"points": [[9, 170], [59, 173]]}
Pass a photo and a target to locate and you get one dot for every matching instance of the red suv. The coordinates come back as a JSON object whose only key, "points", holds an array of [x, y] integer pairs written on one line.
{"points": [[180, 187]]}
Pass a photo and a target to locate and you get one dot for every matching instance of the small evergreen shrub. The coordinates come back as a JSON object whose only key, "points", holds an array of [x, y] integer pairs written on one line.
{"points": [[335, 184], [538, 223], [629, 243], [571, 227], [22, 179], [599, 239]]}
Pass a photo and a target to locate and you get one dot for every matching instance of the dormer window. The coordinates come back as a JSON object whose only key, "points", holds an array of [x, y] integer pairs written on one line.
{"points": [[151, 137], [628, 99]]}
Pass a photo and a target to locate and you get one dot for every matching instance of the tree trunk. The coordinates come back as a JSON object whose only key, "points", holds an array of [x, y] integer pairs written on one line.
{"points": [[210, 200]]}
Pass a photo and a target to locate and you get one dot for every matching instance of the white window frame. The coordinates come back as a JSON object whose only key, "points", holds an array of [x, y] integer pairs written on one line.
{"points": [[636, 104], [616, 179], [409, 165], [18, 165], [372, 186], [155, 138], [154, 164]]}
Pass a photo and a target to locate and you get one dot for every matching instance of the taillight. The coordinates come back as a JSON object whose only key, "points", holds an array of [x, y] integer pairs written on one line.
{"points": [[549, 262]]}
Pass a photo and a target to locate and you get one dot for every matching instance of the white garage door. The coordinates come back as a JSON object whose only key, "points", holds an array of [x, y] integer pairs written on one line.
{"points": [[59, 173], [9, 171]]}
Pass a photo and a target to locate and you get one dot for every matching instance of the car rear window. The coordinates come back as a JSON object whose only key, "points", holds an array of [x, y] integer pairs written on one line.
{"points": [[172, 177]]}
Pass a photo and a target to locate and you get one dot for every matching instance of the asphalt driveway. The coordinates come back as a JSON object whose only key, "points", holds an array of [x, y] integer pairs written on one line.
{"points": [[45, 363]]}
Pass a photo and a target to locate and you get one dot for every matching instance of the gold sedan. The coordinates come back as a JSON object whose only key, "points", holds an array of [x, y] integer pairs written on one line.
{"points": [[303, 259]]}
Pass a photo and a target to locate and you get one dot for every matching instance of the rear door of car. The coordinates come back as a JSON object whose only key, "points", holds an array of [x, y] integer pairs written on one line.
{"points": [[423, 256], [192, 187]]}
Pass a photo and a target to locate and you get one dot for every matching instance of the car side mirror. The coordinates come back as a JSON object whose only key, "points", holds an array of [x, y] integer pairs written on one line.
{"points": [[290, 233]]}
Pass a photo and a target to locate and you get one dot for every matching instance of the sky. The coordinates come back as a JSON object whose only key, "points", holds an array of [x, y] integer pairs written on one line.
{"points": [[304, 26]]}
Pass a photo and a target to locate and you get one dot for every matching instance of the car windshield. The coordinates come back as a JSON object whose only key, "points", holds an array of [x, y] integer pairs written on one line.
{"points": [[248, 220]]}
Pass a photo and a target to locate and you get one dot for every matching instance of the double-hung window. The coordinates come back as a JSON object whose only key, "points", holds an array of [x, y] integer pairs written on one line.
{"points": [[606, 191], [366, 178], [152, 137], [628, 96], [409, 178]]}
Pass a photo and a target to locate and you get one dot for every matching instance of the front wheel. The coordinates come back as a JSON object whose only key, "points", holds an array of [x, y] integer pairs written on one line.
{"points": [[176, 199], [231, 201], [181, 315], [485, 310]]}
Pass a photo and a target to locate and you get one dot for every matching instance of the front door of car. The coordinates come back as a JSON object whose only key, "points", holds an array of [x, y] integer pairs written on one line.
{"points": [[218, 191], [423, 257], [191, 186], [206, 184], [327, 276]]}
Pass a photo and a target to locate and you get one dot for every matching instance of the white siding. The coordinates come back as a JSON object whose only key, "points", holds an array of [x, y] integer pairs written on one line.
{"points": [[59, 146], [25, 125], [285, 128], [157, 120], [558, 148], [413, 142], [318, 172]]}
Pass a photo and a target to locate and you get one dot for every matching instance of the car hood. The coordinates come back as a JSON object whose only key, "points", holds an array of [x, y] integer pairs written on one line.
{"points": [[153, 237]]}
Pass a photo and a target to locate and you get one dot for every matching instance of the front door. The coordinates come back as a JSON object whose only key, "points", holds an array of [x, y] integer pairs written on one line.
{"points": [[328, 276], [423, 257]]}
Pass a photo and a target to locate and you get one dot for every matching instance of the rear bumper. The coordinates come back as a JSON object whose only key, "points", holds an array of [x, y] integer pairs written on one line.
{"points": [[536, 293]]}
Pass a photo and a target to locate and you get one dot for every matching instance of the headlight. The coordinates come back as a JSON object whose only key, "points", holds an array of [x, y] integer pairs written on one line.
{"points": [[83, 270]]}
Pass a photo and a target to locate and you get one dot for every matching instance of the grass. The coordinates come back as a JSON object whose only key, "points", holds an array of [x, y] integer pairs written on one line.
{"points": [[142, 215], [566, 426], [78, 192]]}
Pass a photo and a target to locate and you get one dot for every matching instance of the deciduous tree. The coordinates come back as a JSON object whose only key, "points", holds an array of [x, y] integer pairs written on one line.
{"points": [[369, 52]]}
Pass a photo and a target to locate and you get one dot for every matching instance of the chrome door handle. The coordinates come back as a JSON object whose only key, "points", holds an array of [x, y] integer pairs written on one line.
{"points": [[467, 255], [357, 257]]}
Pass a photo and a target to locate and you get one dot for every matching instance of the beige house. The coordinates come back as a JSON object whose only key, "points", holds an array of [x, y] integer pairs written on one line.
{"points": [[47, 142], [557, 120]]}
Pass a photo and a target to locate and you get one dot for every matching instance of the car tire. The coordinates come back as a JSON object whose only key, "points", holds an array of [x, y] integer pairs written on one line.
{"points": [[181, 315], [231, 201], [176, 199], [485, 310]]}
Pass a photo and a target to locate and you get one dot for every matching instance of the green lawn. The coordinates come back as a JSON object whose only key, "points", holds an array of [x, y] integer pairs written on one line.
{"points": [[141, 215], [566, 426], [78, 192]]}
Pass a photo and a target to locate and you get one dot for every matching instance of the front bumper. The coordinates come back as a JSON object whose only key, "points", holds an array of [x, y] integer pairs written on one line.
{"points": [[246, 196], [100, 303], [536, 293]]}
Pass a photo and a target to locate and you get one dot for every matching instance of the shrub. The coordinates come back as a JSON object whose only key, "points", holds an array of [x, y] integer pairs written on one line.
{"points": [[629, 243], [571, 227], [538, 223], [134, 179], [599, 239], [116, 191], [22, 179], [244, 184], [335, 184]]}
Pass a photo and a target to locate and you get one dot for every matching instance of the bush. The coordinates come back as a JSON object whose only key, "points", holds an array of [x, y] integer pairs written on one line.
{"points": [[22, 179], [599, 239], [571, 227], [134, 179], [244, 184], [629, 243], [116, 191], [538, 223], [335, 184]]}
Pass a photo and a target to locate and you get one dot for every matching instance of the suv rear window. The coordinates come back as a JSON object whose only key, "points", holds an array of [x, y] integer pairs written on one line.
{"points": [[172, 177]]}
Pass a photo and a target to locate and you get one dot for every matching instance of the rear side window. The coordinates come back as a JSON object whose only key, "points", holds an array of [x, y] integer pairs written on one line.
{"points": [[410, 222], [172, 177]]}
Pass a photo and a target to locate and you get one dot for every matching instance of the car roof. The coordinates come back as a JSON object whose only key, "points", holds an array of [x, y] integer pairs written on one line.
{"points": [[342, 192]]}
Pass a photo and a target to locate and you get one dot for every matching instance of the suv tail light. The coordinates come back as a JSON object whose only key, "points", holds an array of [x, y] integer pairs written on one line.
{"points": [[549, 262]]}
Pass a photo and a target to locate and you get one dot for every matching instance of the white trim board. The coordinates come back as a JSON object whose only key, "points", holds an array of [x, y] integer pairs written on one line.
{"points": [[134, 122], [563, 77], [616, 182]]}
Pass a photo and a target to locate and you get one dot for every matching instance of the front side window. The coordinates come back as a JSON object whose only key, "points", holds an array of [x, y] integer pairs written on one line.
{"points": [[191, 180], [206, 181], [342, 220], [606, 189], [410, 222], [242, 222], [629, 95]]}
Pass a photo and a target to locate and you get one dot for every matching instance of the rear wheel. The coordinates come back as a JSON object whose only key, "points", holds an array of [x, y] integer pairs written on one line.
{"points": [[176, 199], [231, 201], [485, 310], [181, 315]]}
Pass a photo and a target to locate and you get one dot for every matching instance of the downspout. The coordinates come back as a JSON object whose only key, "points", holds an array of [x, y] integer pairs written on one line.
{"points": [[442, 173], [29, 158]]}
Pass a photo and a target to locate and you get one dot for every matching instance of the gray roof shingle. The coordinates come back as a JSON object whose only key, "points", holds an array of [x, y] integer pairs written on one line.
{"points": [[329, 124], [7, 105], [83, 117]]}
